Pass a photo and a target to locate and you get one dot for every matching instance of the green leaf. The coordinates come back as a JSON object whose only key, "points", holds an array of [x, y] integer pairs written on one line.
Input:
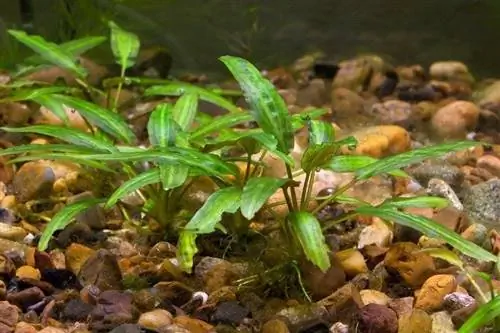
{"points": [[63, 218], [270, 143], [353, 163], [125, 46], [484, 315], [416, 202], [444, 254], [415, 156], [186, 249], [146, 178], [54, 106], [209, 163], [75, 158], [175, 88], [256, 192], [300, 119], [266, 106], [219, 123], [108, 121], [67, 134], [49, 51], [317, 155], [37, 148], [74, 48], [320, 132], [162, 128], [307, 230], [429, 228], [30, 94], [185, 110], [173, 176], [226, 200]]}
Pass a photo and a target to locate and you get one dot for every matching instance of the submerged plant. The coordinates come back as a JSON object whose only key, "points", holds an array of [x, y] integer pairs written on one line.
{"points": [[186, 144]]}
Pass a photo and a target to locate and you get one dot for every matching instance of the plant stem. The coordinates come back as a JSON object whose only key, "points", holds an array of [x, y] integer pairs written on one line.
{"points": [[247, 171], [476, 286], [309, 189], [288, 200], [292, 189], [328, 224], [119, 89], [262, 155], [339, 191], [304, 190]]}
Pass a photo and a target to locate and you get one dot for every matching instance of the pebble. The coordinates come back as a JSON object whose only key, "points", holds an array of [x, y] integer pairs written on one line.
{"points": [[101, 270], [381, 141], [431, 296], [352, 262], [378, 233], [482, 203], [369, 296], [156, 319], [12, 233], [193, 325], [450, 70], [77, 255], [9, 316], [439, 187], [28, 272], [392, 112], [23, 327], [343, 302], [415, 321], [376, 318], [455, 120], [93, 216], [413, 266], [275, 326], [401, 305], [33, 180], [490, 163], [442, 323]]}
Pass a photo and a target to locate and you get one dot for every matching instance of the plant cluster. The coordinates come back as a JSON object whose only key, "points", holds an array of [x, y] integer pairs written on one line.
{"points": [[185, 144]]}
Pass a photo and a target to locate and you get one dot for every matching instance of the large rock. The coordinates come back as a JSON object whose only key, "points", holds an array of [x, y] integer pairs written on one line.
{"points": [[380, 141], [455, 120]]}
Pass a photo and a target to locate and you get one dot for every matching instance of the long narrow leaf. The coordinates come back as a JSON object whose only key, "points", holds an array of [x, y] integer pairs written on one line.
{"points": [[353, 163], [54, 106], [146, 178], [307, 229], [220, 123], [37, 148], [416, 202], [162, 128], [429, 228], [415, 156], [484, 315], [179, 88], [74, 48], [66, 134], [75, 158], [186, 249], [125, 46], [108, 121], [49, 51], [266, 106], [63, 218], [173, 176], [256, 192]]}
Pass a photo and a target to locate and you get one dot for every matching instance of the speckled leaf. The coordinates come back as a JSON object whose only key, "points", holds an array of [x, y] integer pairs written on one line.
{"points": [[185, 110], [226, 200], [66, 134], [414, 156], [353, 163], [320, 132], [37, 148], [108, 121], [180, 88], [300, 119], [266, 106], [173, 176], [54, 106], [63, 156], [63, 218], [146, 178], [49, 51], [429, 228], [484, 315], [307, 230], [317, 155], [256, 192], [162, 128], [125, 46]]}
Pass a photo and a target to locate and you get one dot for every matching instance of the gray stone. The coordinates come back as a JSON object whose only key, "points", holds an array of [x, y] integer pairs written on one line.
{"points": [[482, 203]]}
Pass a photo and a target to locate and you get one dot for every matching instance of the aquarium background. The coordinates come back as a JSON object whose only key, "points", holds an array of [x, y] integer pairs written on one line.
{"points": [[274, 32]]}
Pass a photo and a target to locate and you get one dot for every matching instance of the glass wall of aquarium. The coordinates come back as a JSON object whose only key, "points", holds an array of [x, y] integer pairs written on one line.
{"points": [[249, 166]]}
